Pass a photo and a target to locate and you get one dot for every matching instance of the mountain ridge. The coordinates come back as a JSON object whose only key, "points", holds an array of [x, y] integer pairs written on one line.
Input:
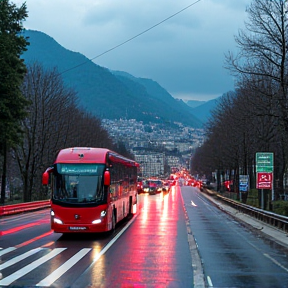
{"points": [[106, 93]]}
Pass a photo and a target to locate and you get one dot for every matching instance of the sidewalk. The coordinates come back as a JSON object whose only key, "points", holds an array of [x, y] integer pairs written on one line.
{"points": [[268, 231]]}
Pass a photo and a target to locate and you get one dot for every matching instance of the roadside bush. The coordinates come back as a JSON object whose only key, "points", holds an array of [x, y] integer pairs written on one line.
{"points": [[252, 198], [280, 207]]}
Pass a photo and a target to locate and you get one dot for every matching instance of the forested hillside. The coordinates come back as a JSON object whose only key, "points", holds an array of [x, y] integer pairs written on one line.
{"points": [[107, 94]]}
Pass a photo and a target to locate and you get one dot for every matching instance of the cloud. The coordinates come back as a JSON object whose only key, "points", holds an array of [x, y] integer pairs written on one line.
{"points": [[184, 54]]}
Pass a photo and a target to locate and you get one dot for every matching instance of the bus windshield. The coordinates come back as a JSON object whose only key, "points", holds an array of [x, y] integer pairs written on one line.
{"points": [[78, 183]]}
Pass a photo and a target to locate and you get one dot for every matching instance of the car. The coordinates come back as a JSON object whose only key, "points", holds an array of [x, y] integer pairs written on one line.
{"points": [[153, 186], [166, 186], [140, 187], [199, 185]]}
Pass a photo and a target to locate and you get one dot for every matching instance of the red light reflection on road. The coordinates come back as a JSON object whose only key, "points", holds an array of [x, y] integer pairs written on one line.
{"points": [[22, 227], [165, 208], [173, 192], [145, 208], [145, 255], [34, 239], [159, 234]]}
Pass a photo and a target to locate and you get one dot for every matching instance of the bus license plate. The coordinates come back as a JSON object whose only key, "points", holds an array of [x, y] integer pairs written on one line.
{"points": [[77, 228]]}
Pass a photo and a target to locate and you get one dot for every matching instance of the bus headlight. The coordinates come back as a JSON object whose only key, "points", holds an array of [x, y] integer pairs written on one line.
{"points": [[97, 221], [102, 214], [58, 221], [52, 213]]}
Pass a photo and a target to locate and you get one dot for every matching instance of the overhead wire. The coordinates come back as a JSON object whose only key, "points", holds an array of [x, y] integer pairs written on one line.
{"points": [[132, 38]]}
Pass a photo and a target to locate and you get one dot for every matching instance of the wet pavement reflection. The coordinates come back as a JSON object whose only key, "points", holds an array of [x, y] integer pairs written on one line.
{"points": [[231, 254], [154, 251]]}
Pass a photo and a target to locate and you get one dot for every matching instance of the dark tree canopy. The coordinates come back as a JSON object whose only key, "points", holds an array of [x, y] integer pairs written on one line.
{"points": [[12, 71]]}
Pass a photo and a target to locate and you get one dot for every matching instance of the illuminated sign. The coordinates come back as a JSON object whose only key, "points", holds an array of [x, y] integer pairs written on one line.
{"points": [[77, 168]]}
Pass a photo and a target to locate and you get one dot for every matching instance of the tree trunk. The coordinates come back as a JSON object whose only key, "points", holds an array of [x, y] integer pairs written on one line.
{"points": [[4, 169]]}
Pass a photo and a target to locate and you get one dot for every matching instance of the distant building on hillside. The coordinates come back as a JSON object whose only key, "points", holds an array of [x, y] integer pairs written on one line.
{"points": [[151, 163]]}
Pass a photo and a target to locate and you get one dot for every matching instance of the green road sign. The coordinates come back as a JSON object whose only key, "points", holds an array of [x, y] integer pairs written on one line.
{"points": [[264, 162]]}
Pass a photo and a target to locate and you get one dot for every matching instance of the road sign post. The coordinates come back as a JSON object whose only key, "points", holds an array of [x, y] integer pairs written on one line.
{"points": [[243, 187], [264, 170]]}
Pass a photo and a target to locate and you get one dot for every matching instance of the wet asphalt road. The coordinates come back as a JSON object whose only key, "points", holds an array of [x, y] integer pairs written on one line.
{"points": [[153, 249], [232, 255], [153, 252]]}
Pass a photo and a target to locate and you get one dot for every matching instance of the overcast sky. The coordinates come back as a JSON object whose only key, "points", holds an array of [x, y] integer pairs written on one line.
{"points": [[184, 54]]}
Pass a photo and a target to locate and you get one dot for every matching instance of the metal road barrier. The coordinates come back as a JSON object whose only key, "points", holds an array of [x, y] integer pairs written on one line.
{"points": [[276, 220], [23, 207]]}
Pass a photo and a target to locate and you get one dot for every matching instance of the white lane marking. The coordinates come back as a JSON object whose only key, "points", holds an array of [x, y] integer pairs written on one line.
{"points": [[7, 250], [25, 270], [210, 284], [103, 251], [19, 258], [112, 242], [198, 273], [254, 246], [193, 204], [63, 268], [276, 262]]}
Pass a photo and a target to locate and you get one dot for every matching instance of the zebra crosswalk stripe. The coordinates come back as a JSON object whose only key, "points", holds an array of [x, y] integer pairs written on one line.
{"points": [[25, 270], [7, 250], [19, 258], [63, 268]]}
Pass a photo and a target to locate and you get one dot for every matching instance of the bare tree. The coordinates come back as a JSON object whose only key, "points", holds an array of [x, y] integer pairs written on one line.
{"points": [[235, 133], [256, 118], [263, 46], [54, 122], [86, 130], [262, 58], [46, 126], [261, 68]]}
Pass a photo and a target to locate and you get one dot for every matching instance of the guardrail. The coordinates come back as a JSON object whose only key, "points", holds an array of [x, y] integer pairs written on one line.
{"points": [[276, 220], [23, 207]]}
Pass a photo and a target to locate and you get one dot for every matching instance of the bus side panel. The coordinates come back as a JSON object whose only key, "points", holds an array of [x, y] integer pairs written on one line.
{"points": [[123, 189]]}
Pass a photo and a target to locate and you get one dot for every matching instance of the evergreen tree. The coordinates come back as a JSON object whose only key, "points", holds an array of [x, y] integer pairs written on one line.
{"points": [[12, 72]]}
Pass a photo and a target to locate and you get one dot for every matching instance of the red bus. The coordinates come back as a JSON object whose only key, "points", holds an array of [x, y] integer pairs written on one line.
{"points": [[91, 189]]}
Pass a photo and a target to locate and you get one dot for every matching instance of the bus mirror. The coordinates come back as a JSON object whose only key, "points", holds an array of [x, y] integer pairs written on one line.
{"points": [[107, 178], [45, 178]]}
